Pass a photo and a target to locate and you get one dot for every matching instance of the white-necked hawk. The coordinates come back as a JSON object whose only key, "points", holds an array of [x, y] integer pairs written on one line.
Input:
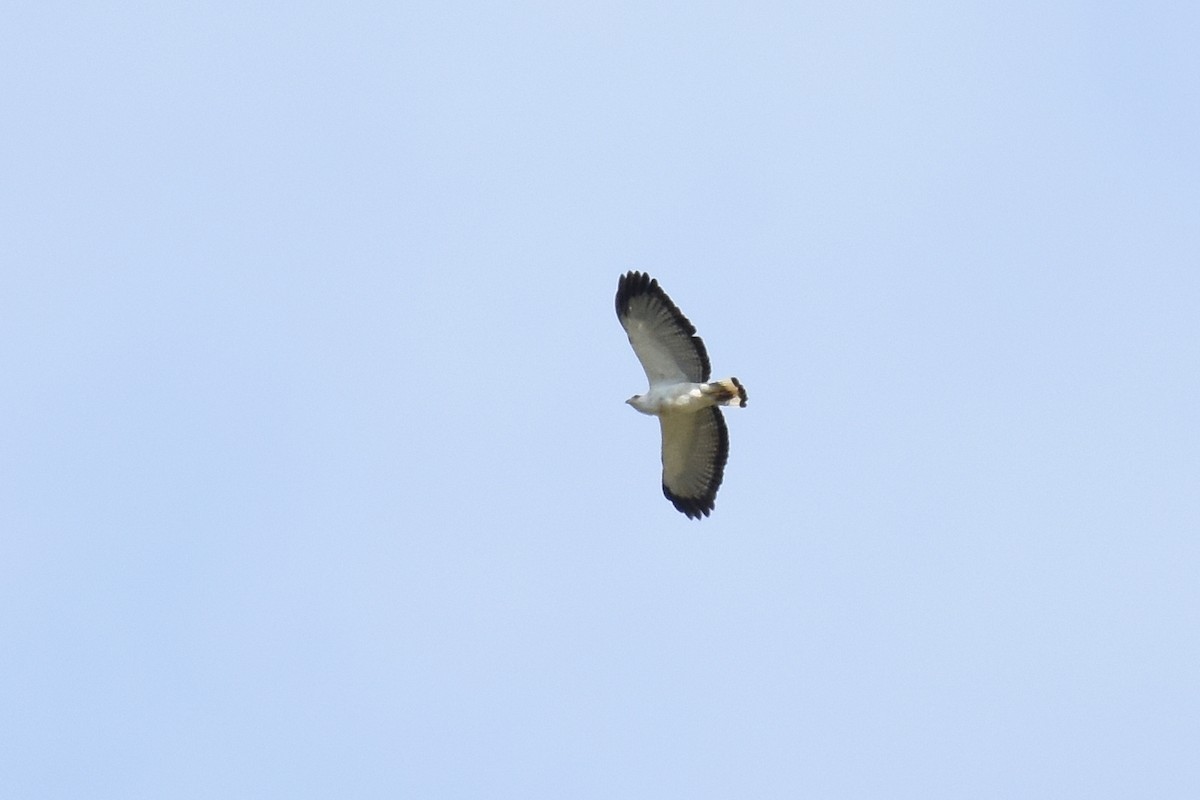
{"points": [[695, 441]]}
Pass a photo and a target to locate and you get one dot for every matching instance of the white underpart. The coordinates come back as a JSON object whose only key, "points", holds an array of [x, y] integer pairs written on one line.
{"points": [[672, 397]]}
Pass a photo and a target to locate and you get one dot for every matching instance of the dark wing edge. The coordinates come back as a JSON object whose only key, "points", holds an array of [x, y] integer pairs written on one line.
{"points": [[635, 284], [702, 505]]}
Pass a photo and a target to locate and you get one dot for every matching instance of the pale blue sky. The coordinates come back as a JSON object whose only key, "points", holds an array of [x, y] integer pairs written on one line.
{"points": [[316, 478]]}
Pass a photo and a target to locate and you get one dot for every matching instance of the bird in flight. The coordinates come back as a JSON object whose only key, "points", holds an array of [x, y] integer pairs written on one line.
{"points": [[695, 441]]}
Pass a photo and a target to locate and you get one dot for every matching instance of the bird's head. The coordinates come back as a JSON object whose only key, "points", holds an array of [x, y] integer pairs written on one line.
{"points": [[638, 401]]}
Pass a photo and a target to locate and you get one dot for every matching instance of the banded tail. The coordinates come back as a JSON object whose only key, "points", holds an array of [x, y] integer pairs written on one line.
{"points": [[728, 392]]}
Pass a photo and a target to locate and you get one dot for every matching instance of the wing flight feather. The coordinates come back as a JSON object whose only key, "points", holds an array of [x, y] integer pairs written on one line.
{"points": [[695, 448], [662, 337]]}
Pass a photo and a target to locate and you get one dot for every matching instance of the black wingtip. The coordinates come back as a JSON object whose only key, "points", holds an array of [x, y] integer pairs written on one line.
{"points": [[631, 285], [691, 507]]}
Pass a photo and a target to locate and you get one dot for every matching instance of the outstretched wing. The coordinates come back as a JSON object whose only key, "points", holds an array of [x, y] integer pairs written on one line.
{"points": [[694, 450], [662, 337]]}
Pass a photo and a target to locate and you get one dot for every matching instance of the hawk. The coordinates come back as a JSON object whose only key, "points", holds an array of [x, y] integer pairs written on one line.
{"points": [[695, 441]]}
